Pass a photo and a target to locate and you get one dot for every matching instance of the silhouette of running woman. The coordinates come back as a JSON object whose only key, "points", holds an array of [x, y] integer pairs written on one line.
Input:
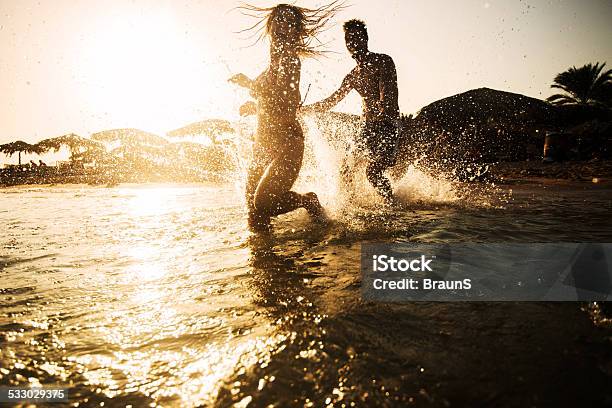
{"points": [[279, 144], [375, 79]]}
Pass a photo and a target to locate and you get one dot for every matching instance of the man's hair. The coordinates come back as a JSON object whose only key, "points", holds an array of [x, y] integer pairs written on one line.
{"points": [[355, 25]]}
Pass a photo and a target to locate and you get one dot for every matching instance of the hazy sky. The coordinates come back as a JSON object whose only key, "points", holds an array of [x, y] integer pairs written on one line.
{"points": [[84, 66]]}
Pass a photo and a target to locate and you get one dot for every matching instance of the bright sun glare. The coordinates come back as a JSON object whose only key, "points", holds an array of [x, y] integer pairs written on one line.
{"points": [[144, 68]]}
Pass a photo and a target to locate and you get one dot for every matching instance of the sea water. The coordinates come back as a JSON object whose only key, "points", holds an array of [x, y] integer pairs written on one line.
{"points": [[158, 295]]}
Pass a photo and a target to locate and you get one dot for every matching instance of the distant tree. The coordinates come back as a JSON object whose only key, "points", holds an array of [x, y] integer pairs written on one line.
{"points": [[587, 86]]}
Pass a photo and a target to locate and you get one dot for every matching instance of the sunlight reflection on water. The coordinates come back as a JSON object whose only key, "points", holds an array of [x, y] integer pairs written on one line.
{"points": [[152, 302], [157, 294]]}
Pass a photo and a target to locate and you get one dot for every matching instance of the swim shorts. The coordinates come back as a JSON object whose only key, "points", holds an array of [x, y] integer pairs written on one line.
{"points": [[379, 140]]}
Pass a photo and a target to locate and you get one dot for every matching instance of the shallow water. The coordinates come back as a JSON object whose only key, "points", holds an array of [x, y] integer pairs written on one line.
{"points": [[157, 294]]}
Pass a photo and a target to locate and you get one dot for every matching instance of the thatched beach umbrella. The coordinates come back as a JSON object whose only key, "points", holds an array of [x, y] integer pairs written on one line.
{"points": [[185, 147], [210, 127], [75, 143], [188, 150], [18, 147], [130, 136], [93, 155], [216, 158], [141, 151]]}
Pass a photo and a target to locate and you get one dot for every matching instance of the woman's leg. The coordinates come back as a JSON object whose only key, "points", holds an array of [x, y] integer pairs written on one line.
{"points": [[272, 195], [257, 167]]}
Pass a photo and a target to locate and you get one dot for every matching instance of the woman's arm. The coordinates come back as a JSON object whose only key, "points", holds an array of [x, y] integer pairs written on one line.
{"points": [[250, 107], [242, 80]]}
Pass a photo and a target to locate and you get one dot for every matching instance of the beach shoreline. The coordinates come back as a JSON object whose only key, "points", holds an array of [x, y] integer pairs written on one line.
{"points": [[594, 171]]}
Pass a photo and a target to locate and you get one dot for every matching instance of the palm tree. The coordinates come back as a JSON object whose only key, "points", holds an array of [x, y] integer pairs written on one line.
{"points": [[586, 86]]}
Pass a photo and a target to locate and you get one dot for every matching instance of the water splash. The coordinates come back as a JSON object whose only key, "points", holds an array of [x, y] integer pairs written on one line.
{"points": [[327, 146], [327, 142], [419, 186]]}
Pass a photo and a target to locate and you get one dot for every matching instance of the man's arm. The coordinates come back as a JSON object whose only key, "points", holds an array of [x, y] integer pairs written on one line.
{"points": [[388, 89], [332, 100]]}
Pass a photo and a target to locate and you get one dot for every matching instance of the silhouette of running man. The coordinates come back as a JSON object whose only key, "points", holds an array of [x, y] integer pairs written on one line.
{"points": [[375, 79]]}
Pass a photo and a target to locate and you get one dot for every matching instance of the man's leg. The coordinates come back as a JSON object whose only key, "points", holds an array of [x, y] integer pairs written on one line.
{"points": [[375, 173], [382, 143], [346, 169], [355, 157]]}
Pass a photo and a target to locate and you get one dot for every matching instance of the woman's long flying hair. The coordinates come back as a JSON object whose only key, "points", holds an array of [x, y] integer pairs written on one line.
{"points": [[308, 23]]}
